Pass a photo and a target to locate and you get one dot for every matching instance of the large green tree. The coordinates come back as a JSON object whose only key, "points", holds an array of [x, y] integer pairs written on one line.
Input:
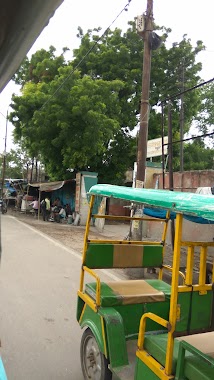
{"points": [[119, 55], [197, 156], [72, 128], [82, 119], [16, 164]]}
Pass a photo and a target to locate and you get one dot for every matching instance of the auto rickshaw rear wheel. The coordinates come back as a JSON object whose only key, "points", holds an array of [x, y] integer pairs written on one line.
{"points": [[93, 362]]}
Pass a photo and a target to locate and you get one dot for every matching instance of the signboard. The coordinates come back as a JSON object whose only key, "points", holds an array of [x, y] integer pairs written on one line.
{"points": [[154, 147]]}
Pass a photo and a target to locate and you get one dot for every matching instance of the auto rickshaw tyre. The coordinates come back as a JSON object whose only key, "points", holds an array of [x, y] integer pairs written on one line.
{"points": [[92, 359]]}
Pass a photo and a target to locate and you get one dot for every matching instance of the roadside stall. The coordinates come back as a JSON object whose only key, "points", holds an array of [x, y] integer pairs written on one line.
{"points": [[63, 190]]}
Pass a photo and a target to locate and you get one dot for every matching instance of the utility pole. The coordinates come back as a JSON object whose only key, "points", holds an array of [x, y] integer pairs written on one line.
{"points": [[170, 161], [144, 29], [162, 137], [182, 120], [144, 108]]}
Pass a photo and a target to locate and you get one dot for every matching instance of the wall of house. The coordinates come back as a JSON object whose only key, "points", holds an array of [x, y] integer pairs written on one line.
{"points": [[191, 232], [84, 181], [66, 194], [186, 181]]}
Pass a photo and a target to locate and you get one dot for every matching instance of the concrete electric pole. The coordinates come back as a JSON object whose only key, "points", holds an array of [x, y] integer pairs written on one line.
{"points": [[144, 108], [144, 27]]}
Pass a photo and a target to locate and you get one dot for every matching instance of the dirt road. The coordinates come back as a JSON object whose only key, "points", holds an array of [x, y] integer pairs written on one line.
{"points": [[69, 235]]}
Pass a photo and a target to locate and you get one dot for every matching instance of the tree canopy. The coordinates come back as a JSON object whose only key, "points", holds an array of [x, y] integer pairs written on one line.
{"points": [[82, 119]]}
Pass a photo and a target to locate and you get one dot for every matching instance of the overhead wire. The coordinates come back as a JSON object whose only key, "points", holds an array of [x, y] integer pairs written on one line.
{"points": [[3, 115], [191, 138], [125, 8], [174, 96]]}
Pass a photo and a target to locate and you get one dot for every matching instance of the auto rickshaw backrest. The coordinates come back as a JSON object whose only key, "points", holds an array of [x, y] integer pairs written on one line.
{"points": [[100, 256]]}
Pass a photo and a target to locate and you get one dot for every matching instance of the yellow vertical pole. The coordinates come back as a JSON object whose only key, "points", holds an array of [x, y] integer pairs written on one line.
{"points": [[87, 227], [164, 241], [203, 261], [190, 262], [174, 293]]}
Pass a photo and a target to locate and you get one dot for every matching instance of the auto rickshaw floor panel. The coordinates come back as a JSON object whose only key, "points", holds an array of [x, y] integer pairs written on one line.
{"points": [[127, 372]]}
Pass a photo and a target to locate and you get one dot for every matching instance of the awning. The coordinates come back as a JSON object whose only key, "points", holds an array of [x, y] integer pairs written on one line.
{"points": [[49, 186]]}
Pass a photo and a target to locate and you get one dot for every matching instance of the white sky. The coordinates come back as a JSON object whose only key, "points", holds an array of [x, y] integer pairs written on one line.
{"points": [[191, 17]]}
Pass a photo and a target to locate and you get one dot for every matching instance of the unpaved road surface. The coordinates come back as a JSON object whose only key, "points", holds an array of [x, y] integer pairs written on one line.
{"points": [[69, 235]]}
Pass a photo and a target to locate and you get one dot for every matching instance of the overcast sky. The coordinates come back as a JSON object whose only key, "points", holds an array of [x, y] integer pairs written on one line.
{"points": [[191, 17]]}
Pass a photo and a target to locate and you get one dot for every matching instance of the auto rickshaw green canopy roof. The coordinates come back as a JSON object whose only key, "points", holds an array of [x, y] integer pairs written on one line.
{"points": [[179, 202]]}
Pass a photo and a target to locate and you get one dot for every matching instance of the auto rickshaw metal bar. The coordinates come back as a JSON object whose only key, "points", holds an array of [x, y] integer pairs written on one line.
{"points": [[142, 328], [82, 280], [122, 217], [124, 242], [174, 293], [85, 245], [160, 276], [197, 243], [194, 288], [153, 365], [87, 227], [82, 313], [190, 263], [87, 300], [168, 267], [203, 267], [165, 226], [104, 336], [93, 274]]}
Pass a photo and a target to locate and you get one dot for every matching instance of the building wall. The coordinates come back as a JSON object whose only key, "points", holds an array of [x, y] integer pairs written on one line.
{"points": [[84, 180], [116, 207], [191, 232], [187, 181]]}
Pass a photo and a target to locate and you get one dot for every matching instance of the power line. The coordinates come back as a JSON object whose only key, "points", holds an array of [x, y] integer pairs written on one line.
{"points": [[88, 52], [191, 138], [3, 115], [172, 97]]}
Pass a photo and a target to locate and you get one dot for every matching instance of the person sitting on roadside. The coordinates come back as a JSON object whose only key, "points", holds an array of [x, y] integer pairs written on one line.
{"points": [[68, 209], [56, 207], [62, 213], [35, 205]]}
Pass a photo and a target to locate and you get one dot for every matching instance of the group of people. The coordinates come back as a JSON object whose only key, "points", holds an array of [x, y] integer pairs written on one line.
{"points": [[51, 212]]}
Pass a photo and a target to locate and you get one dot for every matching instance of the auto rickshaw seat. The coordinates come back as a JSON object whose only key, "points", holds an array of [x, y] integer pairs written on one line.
{"points": [[128, 292], [109, 255], [156, 346]]}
